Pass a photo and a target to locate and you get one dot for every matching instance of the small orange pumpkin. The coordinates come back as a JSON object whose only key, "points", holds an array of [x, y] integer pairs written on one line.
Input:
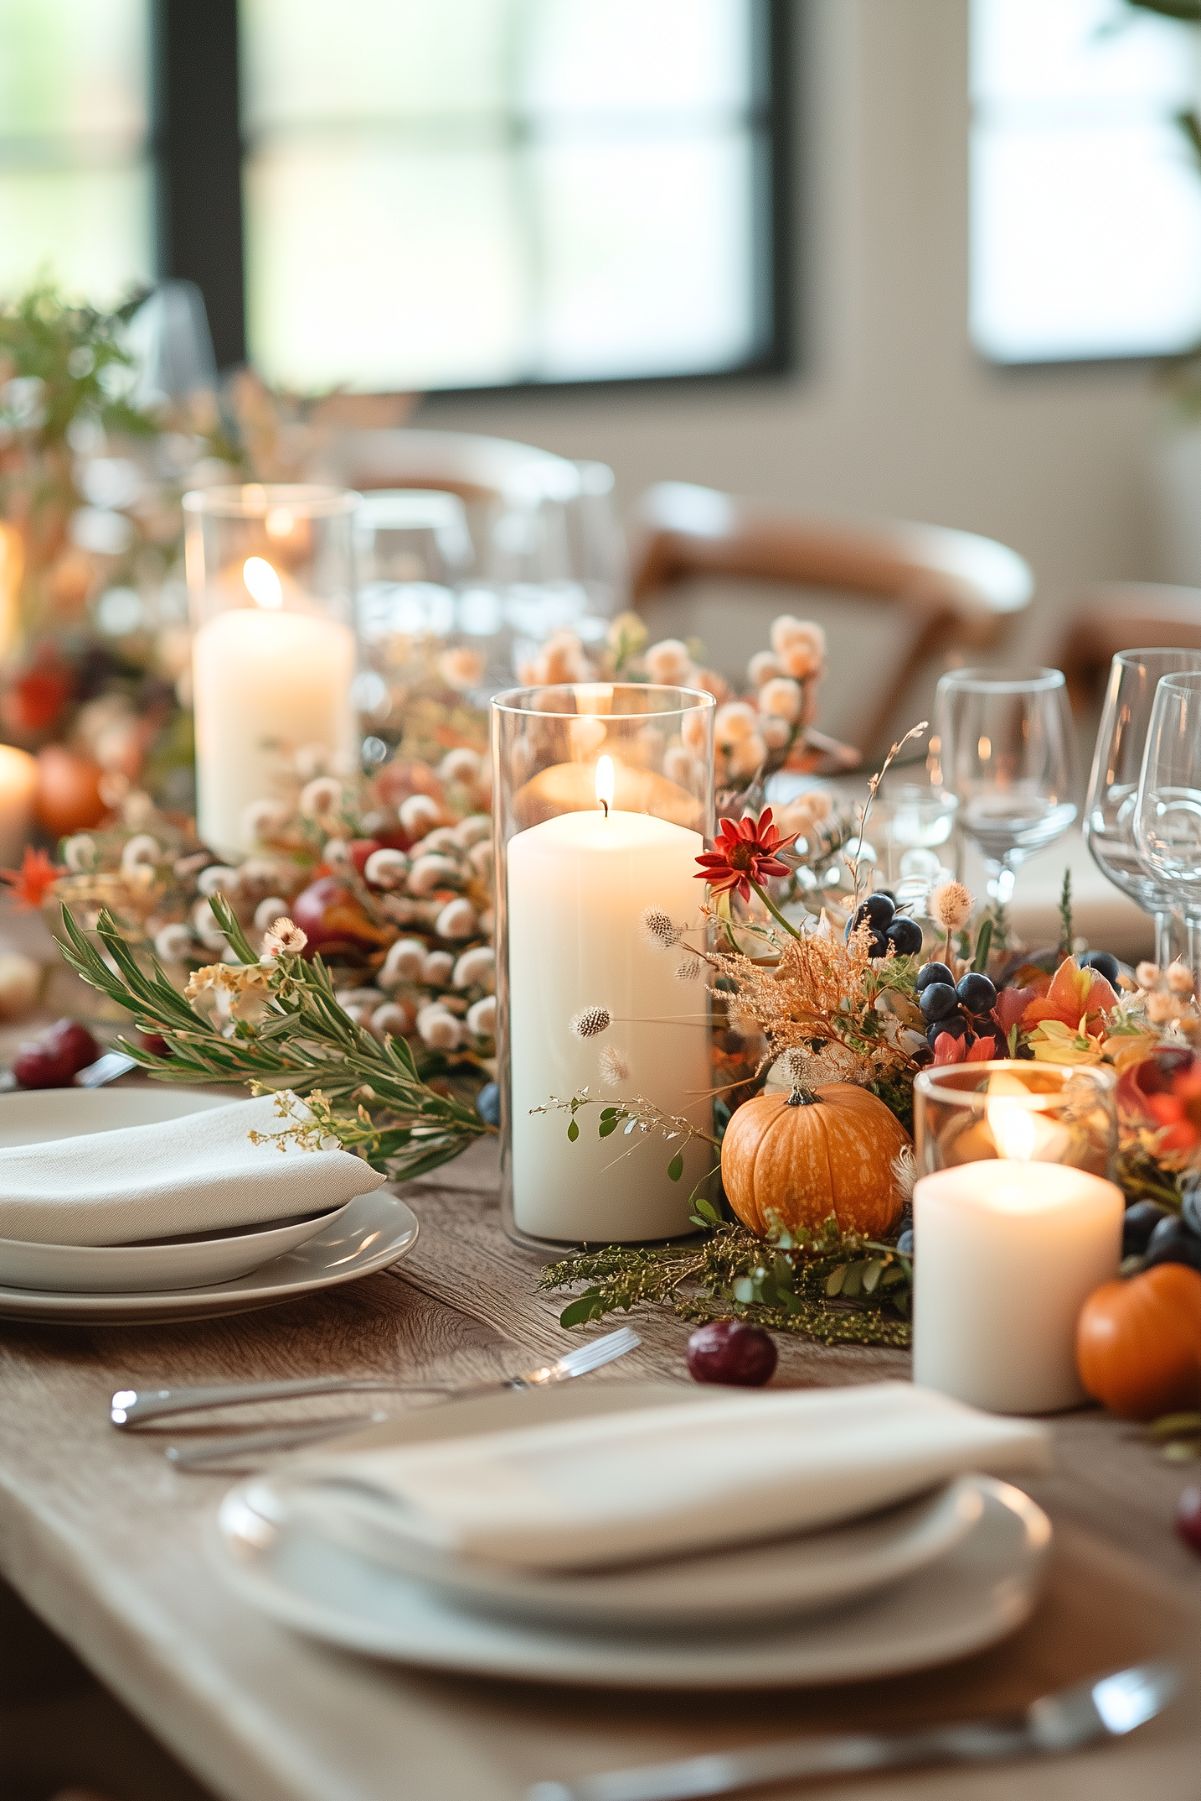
{"points": [[1138, 1343], [800, 1157]]}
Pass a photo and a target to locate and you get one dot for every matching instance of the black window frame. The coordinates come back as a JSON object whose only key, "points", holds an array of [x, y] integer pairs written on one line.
{"points": [[196, 147]]}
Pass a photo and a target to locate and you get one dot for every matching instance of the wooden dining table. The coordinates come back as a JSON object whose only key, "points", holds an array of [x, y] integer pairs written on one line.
{"points": [[106, 1541]]}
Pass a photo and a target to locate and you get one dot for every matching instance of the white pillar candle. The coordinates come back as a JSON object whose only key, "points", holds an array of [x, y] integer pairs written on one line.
{"points": [[267, 678], [577, 888], [1005, 1255], [18, 788]]}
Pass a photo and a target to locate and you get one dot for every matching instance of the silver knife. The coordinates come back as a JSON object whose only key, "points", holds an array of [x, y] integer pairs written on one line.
{"points": [[1106, 1707]]}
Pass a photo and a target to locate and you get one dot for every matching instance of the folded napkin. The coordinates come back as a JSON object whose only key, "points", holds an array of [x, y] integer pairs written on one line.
{"points": [[201, 1173], [661, 1481]]}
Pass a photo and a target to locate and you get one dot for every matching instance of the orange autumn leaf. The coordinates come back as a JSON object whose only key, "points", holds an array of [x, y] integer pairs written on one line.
{"points": [[33, 881], [1074, 996]]}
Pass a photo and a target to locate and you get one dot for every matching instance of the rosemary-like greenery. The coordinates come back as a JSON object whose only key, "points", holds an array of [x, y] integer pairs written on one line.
{"points": [[365, 1091]]}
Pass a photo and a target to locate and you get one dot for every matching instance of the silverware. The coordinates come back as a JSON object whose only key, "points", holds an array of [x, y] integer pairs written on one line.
{"points": [[281, 1438], [107, 1068], [132, 1407], [1106, 1707]]}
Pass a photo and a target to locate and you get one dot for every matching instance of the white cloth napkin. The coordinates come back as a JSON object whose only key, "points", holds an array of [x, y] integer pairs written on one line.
{"points": [[200, 1173], [661, 1481]]}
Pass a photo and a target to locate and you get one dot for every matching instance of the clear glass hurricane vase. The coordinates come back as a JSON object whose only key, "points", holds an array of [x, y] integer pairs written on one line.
{"points": [[602, 800], [1167, 817]]}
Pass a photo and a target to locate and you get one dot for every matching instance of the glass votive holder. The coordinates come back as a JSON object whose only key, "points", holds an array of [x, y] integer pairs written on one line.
{"points": [[1025, 1111], [1014, 1225], [270, 571], [602, 799]]}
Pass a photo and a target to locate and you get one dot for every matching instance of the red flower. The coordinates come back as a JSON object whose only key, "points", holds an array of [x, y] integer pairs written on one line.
{"points": [[1150, 1076], [949, 1049], [34, 880], [745, 851], [1177, 1112]]}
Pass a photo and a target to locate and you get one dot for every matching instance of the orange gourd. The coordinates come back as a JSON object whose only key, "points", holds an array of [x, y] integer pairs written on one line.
{"points": [[798, 1158], [1138, 1343]]}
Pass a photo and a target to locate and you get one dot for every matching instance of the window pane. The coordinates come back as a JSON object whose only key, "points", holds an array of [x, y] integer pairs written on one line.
{"points": [[1087, 243], [614, 56], [382, 267], [73, 67], [86, 228], [307, 60], [649, 257], [1079, 50]]}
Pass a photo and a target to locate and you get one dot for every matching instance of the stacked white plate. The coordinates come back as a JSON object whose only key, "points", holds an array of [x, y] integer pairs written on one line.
{"points": [[193, 1277], [923, 1583]]}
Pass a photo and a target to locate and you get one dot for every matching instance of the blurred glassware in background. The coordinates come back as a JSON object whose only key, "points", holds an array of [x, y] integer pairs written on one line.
{"points": [[910, 817], [1167, 818], [172, 347], [1002, 747], [1111, 802]]}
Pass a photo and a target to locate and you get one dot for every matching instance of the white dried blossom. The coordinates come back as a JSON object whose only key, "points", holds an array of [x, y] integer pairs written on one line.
{"points": [[689, 970], [458, 919], [951, 906], [442, 840], [475, 829], [481, 1017], [461, 668], [173, 943], [137, 809], [140, 852], [481, 857], [488, 923], [79, 852], [460, 766], [335, 852], [218, 878], [268, 911], [1161, 1008], [362, 1000], [735, 721], [404, 962], [613, 1067], [283, 938], [206, 927], [476, 968], [590, 1022], [746, 756], [393, 1020], [419, 814], [762, 668], [438, 1028], [799, 645], [1179, 978], [659, 928], [782, 698], [668, 661], [263, 818], [321, 798], [776, 733], [258, 875], [1147, 974], [430, 873], [438, 968], [386, 868]]}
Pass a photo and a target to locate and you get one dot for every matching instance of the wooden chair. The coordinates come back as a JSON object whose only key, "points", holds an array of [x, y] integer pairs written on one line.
{"points": [[1114, 616], [474, 467], [947, 591]]}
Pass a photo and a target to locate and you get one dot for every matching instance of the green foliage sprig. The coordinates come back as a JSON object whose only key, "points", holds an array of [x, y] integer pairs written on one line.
{"points": [[835, 1287], [367, 1091]]}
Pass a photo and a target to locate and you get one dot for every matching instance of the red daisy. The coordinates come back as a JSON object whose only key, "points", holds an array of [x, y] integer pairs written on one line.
{"points": [[33, 881], [746, 851]]}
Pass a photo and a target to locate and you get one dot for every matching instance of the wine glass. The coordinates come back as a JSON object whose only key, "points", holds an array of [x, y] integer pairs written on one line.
{"points": [[1003, 750], [1167, 814], [1109, 807]]}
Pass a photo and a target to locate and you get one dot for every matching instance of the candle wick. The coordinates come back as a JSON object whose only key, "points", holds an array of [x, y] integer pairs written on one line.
{"points": [[605, 805]]}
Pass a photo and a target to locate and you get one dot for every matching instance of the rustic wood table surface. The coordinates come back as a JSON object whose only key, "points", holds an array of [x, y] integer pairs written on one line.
{"points": [[106, 1541]]}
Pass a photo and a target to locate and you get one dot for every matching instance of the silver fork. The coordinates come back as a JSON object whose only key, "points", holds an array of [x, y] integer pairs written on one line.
{"points": [[1106, 1707], [132, 1407]]}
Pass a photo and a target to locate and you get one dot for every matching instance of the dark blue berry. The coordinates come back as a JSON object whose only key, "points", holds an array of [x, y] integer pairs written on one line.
{"points": [[877, 945], [1138, 1225], [956, 1025], [1104, 964], [977, 993], [1172, 1242], [905, 936], [877, 909], [939, 1001], [905, 1242], [487, 1104], [934, 972]]}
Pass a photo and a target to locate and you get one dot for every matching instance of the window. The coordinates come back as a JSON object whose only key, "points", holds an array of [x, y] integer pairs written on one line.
{"points": [[75, 183], [431, 194], [1086, 194]]}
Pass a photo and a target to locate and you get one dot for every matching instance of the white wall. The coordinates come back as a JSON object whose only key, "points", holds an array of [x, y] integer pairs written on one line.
{"points": [[892, 413]]}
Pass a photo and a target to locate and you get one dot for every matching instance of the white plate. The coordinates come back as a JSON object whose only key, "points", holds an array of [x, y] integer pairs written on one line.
{"points": [[985, 1586], [369, 1233], [746, 1582], [35, 1116]]}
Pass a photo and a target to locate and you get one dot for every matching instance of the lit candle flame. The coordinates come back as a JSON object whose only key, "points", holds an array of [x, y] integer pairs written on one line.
{"points": [[1014, 1129], [604, 782], [279, 522], [262, 583]]}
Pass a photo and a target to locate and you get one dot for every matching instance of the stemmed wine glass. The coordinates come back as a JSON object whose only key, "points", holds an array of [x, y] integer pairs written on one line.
{"points": [[1167, 817], [1003, 750], [1109, 807]]}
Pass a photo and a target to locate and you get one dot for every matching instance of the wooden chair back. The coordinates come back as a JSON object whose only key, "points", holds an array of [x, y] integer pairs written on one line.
{"points": [[947, 591], [1114, 616]]}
